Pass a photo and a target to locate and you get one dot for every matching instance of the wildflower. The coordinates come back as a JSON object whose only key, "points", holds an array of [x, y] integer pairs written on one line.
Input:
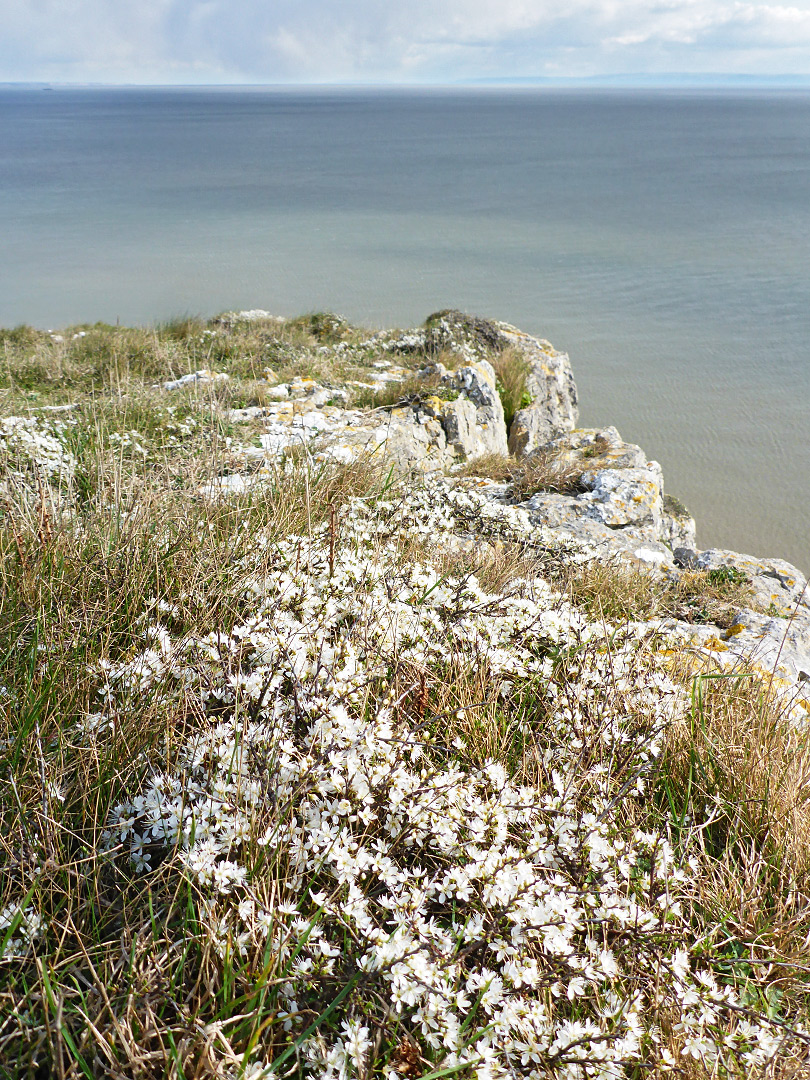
{"points": [[471, 903]]}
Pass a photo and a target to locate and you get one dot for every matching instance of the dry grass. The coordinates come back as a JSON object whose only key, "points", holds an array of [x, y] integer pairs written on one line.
{"points": [[737, 740], [98, 359], [736, 775], [616, 591], [544, 470]]}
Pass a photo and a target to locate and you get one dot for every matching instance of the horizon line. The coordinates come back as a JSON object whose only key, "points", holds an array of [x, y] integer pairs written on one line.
{"points": [[650, 80]]}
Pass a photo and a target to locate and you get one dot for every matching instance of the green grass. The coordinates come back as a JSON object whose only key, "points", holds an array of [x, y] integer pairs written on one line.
{"points": [[511, 371]]}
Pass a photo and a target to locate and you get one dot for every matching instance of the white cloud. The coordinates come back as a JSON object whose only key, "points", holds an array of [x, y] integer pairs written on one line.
{"points": [[323, 40], [691, 23]]}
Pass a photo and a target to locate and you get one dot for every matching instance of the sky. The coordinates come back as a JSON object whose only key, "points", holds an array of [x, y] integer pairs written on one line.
{"points": [[394, 41]]}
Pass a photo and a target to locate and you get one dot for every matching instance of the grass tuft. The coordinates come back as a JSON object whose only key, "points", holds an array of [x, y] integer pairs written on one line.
{"points": [[543, 470], [512, 370]]}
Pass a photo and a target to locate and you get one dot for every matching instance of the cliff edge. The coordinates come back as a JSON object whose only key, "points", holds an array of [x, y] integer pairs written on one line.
{"points": [[445, 386]]}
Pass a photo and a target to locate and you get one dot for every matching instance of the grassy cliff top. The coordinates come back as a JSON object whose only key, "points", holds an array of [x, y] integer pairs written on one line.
{"points": [[347, 774]]}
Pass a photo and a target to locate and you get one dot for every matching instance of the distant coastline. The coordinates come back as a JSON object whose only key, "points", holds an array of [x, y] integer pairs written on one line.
{"points": [[620, 80]]}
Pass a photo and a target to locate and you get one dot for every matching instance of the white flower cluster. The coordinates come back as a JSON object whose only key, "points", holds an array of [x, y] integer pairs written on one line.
{"points": [[18, 929], [128, 440], [408, 341], [518, 928], [180, 425], [30, 444]]}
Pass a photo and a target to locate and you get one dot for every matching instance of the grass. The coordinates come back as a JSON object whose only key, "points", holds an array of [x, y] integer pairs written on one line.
{"points": [[511, 371], [543, 470], [737, 765], [617, 592], [36, 369], [117, 557], [411, 389]]}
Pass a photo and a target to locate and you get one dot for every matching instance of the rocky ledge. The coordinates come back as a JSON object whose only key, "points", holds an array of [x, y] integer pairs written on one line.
{"points": [[609, 501]]}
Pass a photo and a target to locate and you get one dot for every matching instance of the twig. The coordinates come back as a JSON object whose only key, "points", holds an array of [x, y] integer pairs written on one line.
{"points": [[332, 536]]}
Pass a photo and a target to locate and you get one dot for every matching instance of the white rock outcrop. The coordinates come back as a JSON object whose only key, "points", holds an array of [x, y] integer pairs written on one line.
{"points": [[554, 406], [613, 505], [204, 377]]}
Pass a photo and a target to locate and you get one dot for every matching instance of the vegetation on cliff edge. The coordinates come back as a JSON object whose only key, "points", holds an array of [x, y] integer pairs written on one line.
{"points": [[291, 784]]}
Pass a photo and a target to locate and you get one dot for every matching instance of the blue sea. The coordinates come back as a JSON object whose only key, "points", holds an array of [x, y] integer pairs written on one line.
{"points": [[661, 238]]}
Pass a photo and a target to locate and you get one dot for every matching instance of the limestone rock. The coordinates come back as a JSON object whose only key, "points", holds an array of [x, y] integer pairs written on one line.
{"points": [[254, 315], [550, 383], [622, 498], [407, 445], [477, 383], [473, 420], [625, 489], [776, 649], [678, 527], [777, 585], [458, 421], [249, 412], [197, 378], [529, 429], [774, 640], [593, 448], [569, 515], [776, 646]]}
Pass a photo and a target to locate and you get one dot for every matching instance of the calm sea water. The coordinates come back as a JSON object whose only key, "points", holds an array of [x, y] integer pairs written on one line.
{"points": [[662, 239]]}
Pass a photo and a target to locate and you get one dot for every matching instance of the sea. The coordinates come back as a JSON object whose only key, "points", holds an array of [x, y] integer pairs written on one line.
{"points": [[660, 237]]}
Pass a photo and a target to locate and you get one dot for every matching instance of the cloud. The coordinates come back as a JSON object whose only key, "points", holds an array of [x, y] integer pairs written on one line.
{"points": [[735, 24], [371, 40]]}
